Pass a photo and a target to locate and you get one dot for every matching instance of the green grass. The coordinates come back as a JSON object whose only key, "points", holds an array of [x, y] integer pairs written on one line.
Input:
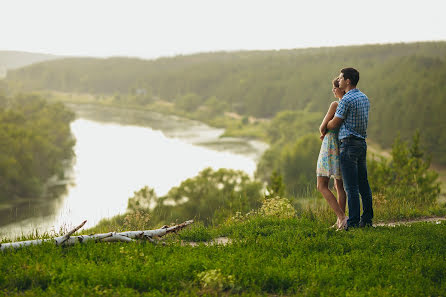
{"points": [[386, 208], [198, 233], [268, 256]]}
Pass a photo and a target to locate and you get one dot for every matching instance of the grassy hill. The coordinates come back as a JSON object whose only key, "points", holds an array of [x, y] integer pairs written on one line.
{"points": [[267, 257]]}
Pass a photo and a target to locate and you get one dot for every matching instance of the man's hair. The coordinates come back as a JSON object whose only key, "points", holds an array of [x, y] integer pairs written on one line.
{"points": [[352, 74]]}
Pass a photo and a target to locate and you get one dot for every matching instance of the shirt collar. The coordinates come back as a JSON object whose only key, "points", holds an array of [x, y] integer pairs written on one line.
{"points": [[352, 91]]}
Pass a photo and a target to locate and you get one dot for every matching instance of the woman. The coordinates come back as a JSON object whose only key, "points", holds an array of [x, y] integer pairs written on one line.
{"points": [[328, 162]]}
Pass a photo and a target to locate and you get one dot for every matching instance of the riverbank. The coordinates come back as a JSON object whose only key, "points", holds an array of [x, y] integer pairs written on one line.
{"points": [[117, 153], [234, 125]]}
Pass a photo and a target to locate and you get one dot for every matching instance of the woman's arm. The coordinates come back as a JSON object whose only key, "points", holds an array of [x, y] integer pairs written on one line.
{"points": [[330, 114]]}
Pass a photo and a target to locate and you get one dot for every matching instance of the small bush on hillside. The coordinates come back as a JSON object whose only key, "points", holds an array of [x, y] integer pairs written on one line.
{"points": [[214, 279], [277, 207], [137, 220], [406, 177], [276, 187]]}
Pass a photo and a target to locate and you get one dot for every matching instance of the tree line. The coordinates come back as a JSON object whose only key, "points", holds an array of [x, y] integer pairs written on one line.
{"points": [[35, 141], [405, 83]]}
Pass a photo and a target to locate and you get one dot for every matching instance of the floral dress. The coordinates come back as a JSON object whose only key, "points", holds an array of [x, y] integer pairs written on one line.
{"points": [[328, 162]]}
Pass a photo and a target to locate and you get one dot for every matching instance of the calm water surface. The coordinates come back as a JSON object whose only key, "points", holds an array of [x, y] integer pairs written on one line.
{"points": [[118, 152]]}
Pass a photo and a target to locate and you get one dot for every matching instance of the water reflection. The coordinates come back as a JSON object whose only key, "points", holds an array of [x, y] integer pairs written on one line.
{"points": [[189, 131], [114, 160]]}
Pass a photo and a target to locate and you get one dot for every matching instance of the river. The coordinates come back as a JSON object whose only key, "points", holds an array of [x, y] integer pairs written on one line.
{"points": [[117, 152]]}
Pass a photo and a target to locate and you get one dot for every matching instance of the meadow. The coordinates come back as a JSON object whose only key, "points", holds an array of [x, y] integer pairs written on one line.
{"points": [[267, 256]]}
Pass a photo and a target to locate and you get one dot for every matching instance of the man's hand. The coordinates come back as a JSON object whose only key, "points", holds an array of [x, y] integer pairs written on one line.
{"points": [[335, 123]]}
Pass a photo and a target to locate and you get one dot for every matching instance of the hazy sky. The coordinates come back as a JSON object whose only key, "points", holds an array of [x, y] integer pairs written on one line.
{"points": [[150, 29]]}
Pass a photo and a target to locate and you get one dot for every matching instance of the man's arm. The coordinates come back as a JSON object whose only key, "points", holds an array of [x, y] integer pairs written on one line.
{"points": [[335, 123]]}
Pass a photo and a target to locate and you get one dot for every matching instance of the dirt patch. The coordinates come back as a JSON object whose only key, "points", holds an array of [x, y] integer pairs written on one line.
{"points": [[438, 220], [215, 241]]}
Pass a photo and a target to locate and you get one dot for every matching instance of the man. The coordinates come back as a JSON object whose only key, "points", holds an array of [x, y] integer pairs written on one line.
{"points": [[352, 116]]}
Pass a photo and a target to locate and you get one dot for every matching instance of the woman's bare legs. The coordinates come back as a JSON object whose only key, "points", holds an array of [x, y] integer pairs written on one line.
{"points": [[322, 186], [342, 196]]}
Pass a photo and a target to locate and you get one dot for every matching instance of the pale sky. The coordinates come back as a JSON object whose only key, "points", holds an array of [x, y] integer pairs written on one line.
{"points": [[151, 29]]}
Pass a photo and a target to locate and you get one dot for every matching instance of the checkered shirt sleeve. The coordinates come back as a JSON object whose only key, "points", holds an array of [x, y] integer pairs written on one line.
{"points": [[342, 109]]}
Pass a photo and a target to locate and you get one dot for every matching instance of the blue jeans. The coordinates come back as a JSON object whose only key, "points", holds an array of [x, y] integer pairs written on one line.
{"points": [[353, 152]]}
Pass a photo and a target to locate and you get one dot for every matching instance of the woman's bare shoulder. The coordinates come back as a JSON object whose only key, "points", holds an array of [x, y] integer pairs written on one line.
{"points": [[334, 105]]}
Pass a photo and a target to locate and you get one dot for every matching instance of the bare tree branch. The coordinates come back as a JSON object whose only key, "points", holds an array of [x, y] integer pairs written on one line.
{"points": [[127, 236]]}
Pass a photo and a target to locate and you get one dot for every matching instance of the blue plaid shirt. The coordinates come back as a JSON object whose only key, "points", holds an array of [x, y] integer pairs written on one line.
{"points": [[354, 110]]}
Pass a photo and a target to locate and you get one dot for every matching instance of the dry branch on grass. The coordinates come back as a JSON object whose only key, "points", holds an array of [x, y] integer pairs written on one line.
{"points": [[126, 236]]}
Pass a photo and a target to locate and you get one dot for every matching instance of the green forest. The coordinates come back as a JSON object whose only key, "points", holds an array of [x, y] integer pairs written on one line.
{"points": [[36, 142], [405, 83]]}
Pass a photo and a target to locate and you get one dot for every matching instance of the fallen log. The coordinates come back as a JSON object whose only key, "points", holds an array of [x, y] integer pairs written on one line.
{"points": [[127, 236]]}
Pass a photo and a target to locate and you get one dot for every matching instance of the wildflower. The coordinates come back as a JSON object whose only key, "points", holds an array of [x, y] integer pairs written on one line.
{"points": [[277, 207]]}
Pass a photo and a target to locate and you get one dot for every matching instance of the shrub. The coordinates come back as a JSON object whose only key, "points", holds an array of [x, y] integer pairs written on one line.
{"points": [[214, 279], [211, 196], [137, 220], [406, 176], [277, 207]]}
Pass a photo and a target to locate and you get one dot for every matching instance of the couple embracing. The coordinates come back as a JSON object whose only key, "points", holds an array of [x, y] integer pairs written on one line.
{"points": [[343, 153]]}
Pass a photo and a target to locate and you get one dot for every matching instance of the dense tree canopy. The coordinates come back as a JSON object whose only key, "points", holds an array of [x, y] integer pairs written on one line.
{"points": [[405, 83], [294, 150], [35, 139], [211, 196]]}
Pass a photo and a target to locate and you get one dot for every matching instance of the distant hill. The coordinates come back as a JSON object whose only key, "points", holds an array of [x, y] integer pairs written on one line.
{"points": [[405, 83], [15, 59]]}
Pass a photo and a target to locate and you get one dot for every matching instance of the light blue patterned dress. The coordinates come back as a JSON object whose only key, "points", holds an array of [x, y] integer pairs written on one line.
{"points": [[328, 162]]}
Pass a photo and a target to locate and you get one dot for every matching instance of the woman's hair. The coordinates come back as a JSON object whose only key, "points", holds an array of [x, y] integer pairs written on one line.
{"points": [[336, 82]]}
